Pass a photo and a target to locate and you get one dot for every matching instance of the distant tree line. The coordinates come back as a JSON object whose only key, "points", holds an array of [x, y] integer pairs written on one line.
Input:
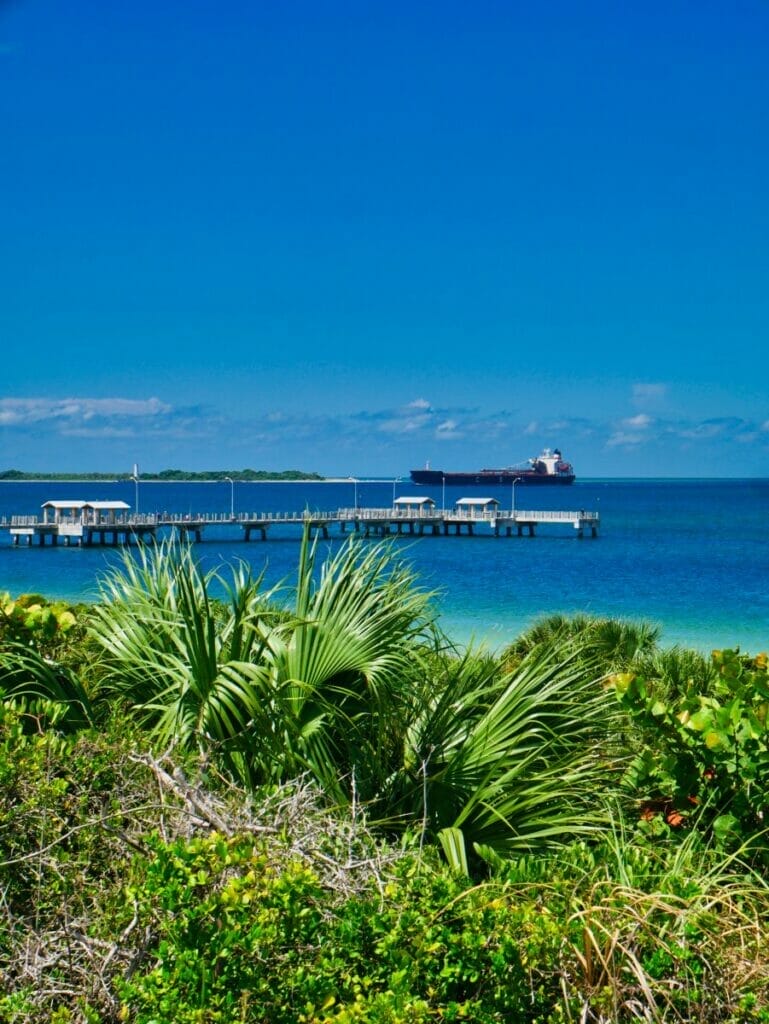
{"points": [[170, 474]]}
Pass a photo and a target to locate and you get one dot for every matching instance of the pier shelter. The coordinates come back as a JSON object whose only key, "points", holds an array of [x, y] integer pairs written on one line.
{"points": [[477, 505], [469, 511], [79, 513], [104, 512], [414, 504], [63, 519], [63, 511], [414, 513], [76, 521]]}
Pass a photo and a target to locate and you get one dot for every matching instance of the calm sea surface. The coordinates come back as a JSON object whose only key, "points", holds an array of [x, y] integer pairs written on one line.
{"points": [[691, 556]]}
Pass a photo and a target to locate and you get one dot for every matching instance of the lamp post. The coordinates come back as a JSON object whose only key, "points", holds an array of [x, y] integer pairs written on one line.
{"points": [[135, 478], [395, 481], [354, 482], [512, 497], [232, 496], [443, 493]]}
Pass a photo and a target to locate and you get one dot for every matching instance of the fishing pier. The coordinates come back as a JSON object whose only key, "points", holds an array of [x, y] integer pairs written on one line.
{"points": [[84, 523]]}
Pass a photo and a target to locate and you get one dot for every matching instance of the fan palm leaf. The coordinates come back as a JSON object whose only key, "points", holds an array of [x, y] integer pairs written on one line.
{"points": [[342, 666], [180, 660], [322, 687], [515, 761]]}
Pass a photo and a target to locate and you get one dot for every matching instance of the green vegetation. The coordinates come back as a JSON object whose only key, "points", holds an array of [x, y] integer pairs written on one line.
{"points": [[302, 805], [239, 475]]}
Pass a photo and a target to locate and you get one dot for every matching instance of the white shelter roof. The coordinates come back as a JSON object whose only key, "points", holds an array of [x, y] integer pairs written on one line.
{"points": [[477, 502], [418, 500], [106, 505]]}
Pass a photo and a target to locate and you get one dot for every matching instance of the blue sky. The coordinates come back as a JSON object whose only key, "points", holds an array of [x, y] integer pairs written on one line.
{"points": [[351, 237]]}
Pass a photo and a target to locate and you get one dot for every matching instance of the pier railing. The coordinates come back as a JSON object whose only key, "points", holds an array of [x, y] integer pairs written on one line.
{"points": [[339, 514], [476, 515], [20, 521], [88, 527]]}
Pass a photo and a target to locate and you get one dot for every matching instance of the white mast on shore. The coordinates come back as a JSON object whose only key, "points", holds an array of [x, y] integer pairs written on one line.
{"points": [[135, 478]]}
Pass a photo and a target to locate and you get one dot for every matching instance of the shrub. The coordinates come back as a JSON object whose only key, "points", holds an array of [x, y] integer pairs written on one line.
{"points": [[243, 937], [705, 759]]}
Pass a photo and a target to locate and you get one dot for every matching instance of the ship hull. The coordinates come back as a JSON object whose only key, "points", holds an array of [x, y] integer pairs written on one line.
{"points": [[490, 477]]}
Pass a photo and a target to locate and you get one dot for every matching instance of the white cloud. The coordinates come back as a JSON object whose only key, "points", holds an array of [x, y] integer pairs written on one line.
{"points": [[23, 411], [639, 422], [409, 419], [103, 433], [644, 429], [704, 431], [404, 424], [625, 438], [448, 431]]}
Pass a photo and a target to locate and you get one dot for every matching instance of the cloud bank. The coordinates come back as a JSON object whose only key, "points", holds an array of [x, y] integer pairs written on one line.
{"points": [[415, 427], [20, 411]]}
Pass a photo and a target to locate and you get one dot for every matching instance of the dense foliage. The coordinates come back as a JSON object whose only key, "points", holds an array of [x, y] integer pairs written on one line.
{"points": [[220, 802], [707, 749]]}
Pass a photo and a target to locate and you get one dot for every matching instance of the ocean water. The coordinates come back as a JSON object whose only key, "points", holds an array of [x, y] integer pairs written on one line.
{"points": [[689, 556]]}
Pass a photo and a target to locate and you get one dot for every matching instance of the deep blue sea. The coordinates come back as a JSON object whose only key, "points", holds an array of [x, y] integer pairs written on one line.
{"points": [[690, 556]]}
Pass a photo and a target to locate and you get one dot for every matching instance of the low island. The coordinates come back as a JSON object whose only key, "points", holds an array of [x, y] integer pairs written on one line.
{"points": [[171, 475]]}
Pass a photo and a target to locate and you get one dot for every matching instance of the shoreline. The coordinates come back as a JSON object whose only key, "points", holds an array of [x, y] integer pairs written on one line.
{"points": [[405, 479], [470, 631]]}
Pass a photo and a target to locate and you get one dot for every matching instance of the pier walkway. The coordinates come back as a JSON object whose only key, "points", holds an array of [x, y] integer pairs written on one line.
{"points": [[82, 528]]}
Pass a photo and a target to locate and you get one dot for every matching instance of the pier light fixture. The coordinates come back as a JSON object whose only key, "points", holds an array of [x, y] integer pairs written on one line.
{"points": [[354, 482], [512, 495], [135, 478], [232, 496], [443, 493], [395, 481]]}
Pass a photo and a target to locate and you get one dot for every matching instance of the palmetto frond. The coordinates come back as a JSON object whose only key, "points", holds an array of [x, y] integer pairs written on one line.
{"points": [[179, 659], [320, 687], [343, 667], [513, 762]]}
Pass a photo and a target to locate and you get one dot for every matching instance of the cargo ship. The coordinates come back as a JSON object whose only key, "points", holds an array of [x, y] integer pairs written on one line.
{"points": [[547, 468]]}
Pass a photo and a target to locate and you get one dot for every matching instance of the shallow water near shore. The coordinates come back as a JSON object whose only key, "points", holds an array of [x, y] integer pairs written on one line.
{"points": [[690, 556]]}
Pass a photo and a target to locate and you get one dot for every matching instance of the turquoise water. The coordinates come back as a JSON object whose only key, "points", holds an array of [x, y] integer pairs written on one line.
{"points": [[691, 556]]}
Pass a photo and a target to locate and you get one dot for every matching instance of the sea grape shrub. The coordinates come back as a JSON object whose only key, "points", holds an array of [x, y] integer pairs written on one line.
{"points": [[240, 934], [32, 621], [44, 661], [705, 759]]}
